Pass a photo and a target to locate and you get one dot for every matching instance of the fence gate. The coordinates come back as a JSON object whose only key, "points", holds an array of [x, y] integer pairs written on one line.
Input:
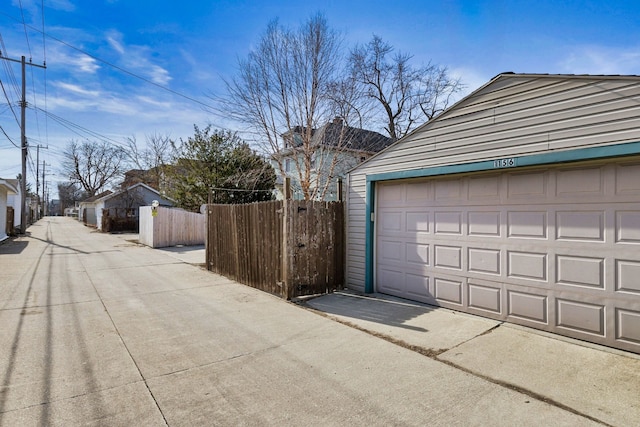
{"points": [[289, 249]]}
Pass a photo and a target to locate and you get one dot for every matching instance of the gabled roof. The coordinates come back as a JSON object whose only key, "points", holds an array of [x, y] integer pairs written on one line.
{"points": [[140, 184], [495, 84], [337, 134], [97, 197]]}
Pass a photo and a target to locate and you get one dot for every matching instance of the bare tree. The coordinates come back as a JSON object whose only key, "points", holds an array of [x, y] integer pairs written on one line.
{"points": [[93, 165], [401, 94], [283, 93], [69, 193], [153, 157]]}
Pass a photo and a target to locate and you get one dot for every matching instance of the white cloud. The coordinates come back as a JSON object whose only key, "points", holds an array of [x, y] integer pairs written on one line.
{"points": [[76, 89], [601, 60], [159, 75], [85, 63], [153, 102], [471, 79], [135, 58], [115, 41], [64, 5]]}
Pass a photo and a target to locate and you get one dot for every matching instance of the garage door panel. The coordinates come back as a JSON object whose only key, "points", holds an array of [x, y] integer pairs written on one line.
{"points": [[626, 179], [484, 188], [527, 265], [627, 276], [527, 224], [580, 316], [448, 189], [485, 224], [526, 185], [418, 222], [528, 306], [448, 289], [418, 286], [390, 251], [580, 271], [483, 260], [392, 222], [582, 182], [582, 225], [448, 223], [484, 297], [449, 257], [390, 280], [628, 326], [417, 254], [628, 226], [556, 248]]}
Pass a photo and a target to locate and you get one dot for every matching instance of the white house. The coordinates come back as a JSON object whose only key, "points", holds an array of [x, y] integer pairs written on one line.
{"points": [[337, 149], [7, 188], [521, 203], [87, 208], [15, 201]]}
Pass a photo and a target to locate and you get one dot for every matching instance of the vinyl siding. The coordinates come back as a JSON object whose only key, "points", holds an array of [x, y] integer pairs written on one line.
{"points": [[514, 115]]}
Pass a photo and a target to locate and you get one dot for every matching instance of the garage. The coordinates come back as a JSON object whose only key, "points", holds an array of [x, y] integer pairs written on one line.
{"points": [[555, 248], [519, 203]]}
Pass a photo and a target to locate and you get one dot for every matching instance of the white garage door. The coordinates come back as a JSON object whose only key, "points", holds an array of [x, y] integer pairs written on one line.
{"points": [[556, 249]]}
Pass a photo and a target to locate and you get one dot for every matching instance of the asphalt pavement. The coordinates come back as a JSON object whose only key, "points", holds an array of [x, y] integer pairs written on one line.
{"points": [[96, 329]]}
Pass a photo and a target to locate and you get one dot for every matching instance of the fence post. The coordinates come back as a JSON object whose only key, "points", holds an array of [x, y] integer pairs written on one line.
{"points": [[285, 238], [339, 189]]}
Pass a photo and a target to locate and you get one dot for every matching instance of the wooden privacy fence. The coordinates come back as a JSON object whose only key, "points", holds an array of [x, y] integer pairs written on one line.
{"points": [[9, 227], [119, 219], [288, 248], [171, 227]]}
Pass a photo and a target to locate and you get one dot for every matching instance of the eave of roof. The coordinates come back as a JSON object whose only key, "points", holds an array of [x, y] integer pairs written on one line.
{"points": [[501, 76]]}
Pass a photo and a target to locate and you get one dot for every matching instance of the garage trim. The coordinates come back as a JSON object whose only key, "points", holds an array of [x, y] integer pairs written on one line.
{"points": [[582, 154]]}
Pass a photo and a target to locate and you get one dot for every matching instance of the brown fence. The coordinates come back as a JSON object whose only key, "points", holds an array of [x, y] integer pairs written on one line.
{"points": [[119, 219], [9, 227], [251, 244]]}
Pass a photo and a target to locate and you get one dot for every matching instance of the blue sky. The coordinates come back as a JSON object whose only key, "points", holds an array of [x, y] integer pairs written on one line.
{"points": [[189, 47]]}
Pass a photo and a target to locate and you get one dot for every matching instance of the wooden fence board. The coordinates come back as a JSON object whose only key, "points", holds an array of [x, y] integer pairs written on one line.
{"points": [[249, 243], [171, 227]]}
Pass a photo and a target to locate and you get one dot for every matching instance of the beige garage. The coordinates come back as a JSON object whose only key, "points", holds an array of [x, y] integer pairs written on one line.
{"points": [[529, 247], [543, 234]]}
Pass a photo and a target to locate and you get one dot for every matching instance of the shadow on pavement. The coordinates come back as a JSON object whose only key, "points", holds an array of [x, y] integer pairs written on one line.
{"points": [[386, 311], [13, 247]]}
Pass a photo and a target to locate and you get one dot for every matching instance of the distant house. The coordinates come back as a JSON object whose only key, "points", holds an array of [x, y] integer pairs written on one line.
{"points": [[87, 209], [337, 149], [150, 177], [6, 189], [124, 202]]}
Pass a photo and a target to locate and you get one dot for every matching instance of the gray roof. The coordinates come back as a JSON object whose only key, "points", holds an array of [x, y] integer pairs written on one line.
{"points": [[337, 134]]}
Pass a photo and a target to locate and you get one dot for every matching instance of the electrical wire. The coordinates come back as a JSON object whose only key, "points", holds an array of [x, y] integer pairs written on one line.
{"points": [[80, 130], [24, 25], [9, 103], [123, 70], [10, 140]]}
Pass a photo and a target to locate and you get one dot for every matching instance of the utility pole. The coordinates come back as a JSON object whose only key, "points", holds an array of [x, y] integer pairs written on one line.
{"points": [[38, 147], [43, 185], [23, 140]]}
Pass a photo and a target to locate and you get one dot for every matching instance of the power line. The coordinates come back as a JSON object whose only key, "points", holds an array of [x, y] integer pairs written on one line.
{"points": [[10, 140], [76, 128], [24, 25], [144, 79]]}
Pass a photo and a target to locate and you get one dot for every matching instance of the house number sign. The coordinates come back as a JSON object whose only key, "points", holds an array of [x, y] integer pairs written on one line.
{"points": [[504, 163]]}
